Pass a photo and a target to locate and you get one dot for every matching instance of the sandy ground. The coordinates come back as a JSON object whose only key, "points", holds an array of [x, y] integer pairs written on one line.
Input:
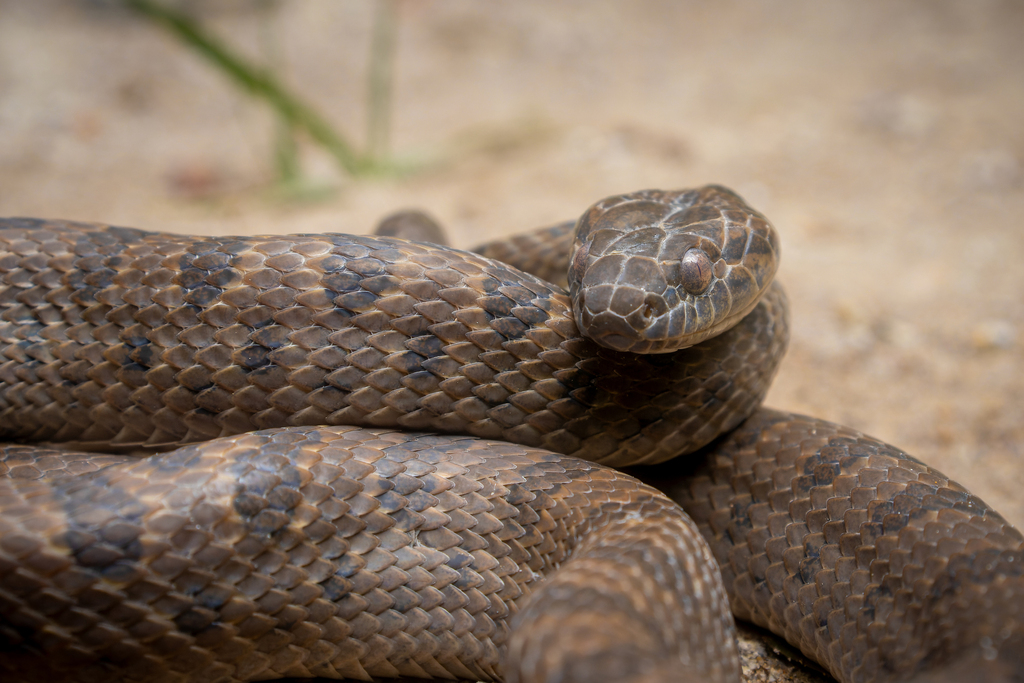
{"points": [[884, 140]]}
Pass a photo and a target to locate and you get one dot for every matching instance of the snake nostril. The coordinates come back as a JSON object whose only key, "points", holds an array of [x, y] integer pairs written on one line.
{"points": [[653, 307]]}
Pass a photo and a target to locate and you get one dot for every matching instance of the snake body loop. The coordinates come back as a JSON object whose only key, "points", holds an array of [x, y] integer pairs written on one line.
{"points": [[342, 552], [872, 563], [327, 550], [299, 534], [118, 337]]}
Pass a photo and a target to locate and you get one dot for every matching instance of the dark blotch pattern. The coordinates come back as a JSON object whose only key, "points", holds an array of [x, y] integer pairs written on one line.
{"points": [[344, 553], [869, 561], [332, 330]]}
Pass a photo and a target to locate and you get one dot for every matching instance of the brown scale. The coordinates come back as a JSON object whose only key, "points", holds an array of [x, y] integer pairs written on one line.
{"points": [[628, 255], [544, 253], [865, 559], [870, 562], [346, 552], [121, 338], [656, 271]]}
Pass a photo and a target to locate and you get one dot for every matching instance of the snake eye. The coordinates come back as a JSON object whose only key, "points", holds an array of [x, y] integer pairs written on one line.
{"points": [[696, 271]]}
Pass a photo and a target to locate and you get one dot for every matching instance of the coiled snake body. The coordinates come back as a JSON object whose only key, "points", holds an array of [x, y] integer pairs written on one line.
{"points": [[329, 544]]}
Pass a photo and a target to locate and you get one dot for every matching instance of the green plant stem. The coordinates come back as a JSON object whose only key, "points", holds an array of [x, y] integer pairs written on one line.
{"points": [[257, 81], [286, 149], [381, 67]]}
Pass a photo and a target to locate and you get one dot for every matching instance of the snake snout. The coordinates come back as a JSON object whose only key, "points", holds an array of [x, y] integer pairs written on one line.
{"points": [[621, 317], [624, 302]]}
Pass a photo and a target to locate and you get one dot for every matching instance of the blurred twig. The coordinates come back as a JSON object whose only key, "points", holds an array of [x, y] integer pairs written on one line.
{"points": [[258, 82], [382, 59], [286, 148]]}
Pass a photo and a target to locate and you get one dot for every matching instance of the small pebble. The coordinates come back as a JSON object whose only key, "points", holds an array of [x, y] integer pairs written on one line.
{"points": [[993, 334]]}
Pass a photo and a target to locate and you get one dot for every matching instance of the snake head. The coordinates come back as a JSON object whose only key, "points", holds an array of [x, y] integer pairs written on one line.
{"points": [[655, 271]]}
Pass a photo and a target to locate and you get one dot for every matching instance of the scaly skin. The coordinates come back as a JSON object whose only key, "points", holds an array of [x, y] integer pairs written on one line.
{"points": [[873, 564], [119, 337], [116, 338], [654, 271], [348, 552], [867, 560]]}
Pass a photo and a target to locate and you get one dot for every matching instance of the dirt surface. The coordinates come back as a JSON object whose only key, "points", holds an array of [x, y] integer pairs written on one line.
{"points": [[884, 140]]}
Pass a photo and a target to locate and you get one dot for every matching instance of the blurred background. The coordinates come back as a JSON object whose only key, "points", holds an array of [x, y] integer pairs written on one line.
{"points": [[885, 141]]}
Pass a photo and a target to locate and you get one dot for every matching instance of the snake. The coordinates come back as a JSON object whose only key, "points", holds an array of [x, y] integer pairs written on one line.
{"points": [[368, 458]]}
